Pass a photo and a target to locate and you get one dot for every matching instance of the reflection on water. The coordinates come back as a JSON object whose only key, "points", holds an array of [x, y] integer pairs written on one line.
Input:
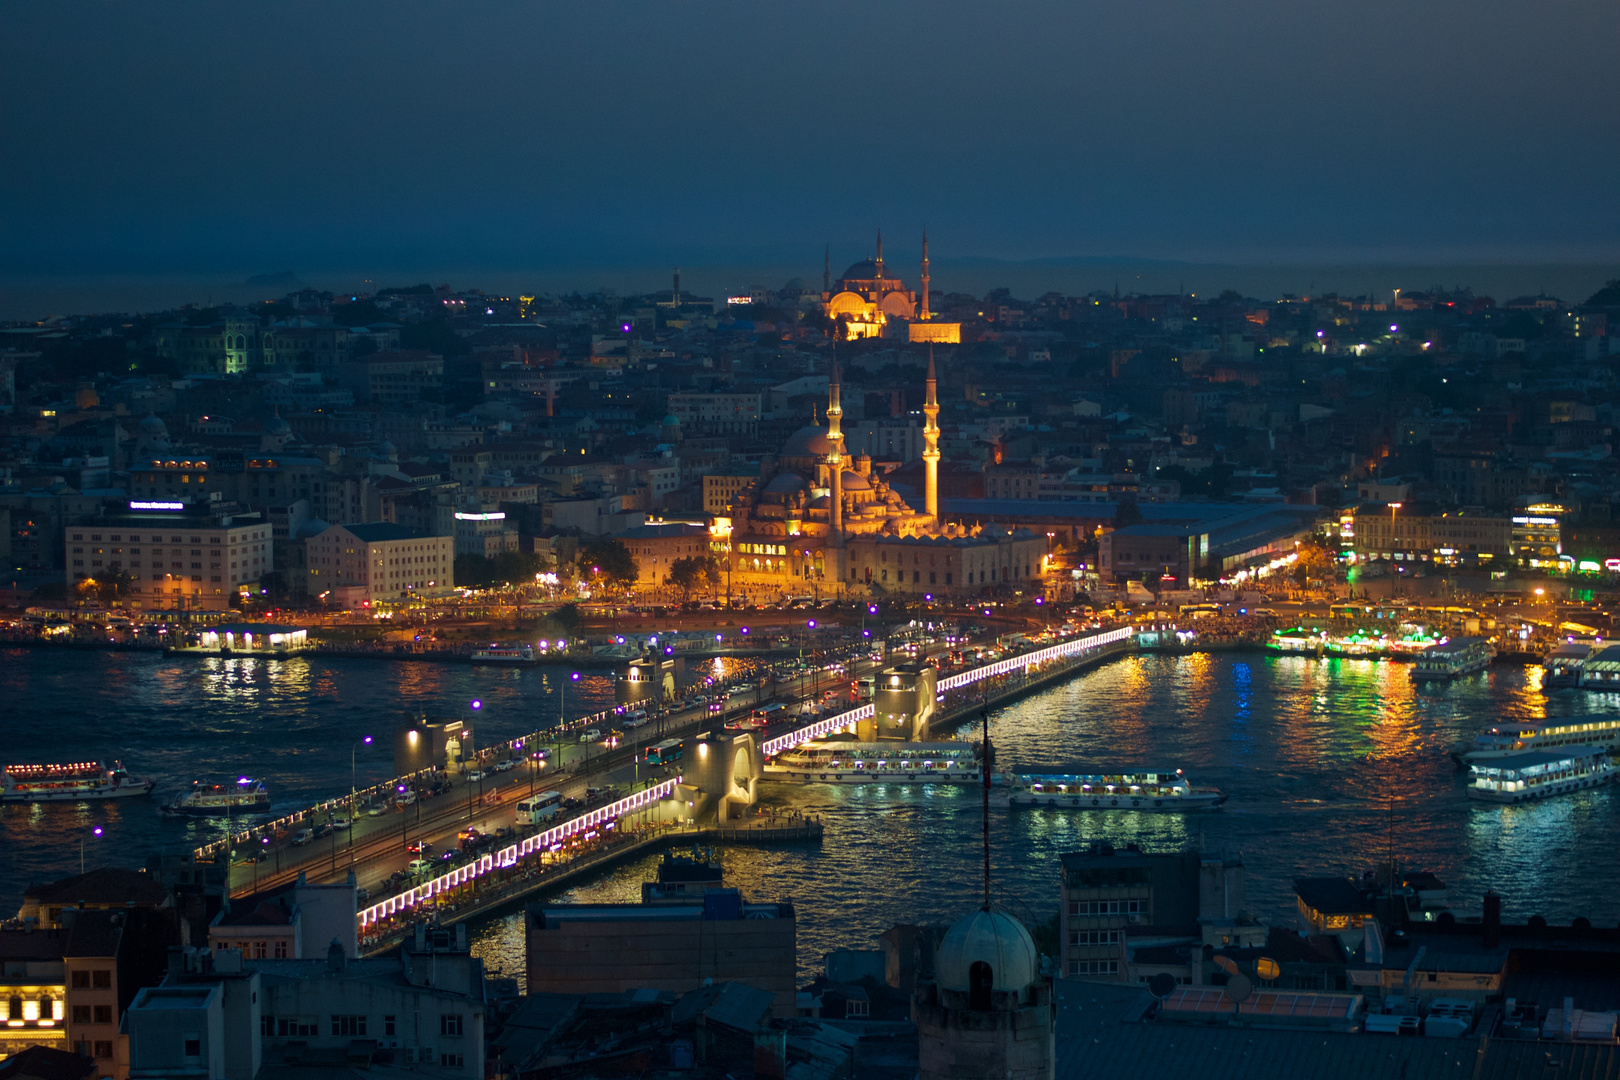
{"points": [[1327, 763]]}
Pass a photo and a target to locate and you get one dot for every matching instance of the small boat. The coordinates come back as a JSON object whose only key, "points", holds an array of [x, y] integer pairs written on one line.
{"points": [[70, 783], [1564, 664], [1521, 736], [1158, 791], [1539, 774], [504, 655], [1452, 657], [246, 796]]}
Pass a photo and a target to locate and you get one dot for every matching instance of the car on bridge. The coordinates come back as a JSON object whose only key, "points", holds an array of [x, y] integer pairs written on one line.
{"points": [[420, 866], [504, 766], [590, 735], [302, 837]]}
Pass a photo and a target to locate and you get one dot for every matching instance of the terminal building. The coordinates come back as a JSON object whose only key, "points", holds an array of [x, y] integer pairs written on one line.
{"points": [[171, 556]]}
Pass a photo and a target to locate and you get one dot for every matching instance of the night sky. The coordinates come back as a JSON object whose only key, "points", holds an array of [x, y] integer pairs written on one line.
{"points": [[178, 138]]}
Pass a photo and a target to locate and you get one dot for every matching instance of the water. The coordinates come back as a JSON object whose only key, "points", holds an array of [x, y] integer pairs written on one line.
{"points": [[1326, 762]]}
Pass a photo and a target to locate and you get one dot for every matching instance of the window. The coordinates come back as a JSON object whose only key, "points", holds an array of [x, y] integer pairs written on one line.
{"points": [[193, 1047], [101, 980], [388, 1025], [104, 1014], [1093, 967], [297, 1026], [81, 1014], [450, 1024], [104, 1048], [349, 1025], [281, 949], [81, 980], [452, 1060], [267, 1025], [1093, 937]]}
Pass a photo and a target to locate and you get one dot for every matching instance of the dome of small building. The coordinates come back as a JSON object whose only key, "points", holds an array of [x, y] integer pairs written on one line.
{"points": [[820, 502], [276, 426], [807, 442], [670, 420], [784, 484], [854, 481], [991, 937], [152, 425]]}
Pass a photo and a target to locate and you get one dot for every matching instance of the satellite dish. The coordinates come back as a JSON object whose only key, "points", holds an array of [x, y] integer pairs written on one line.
{"points": [[1238, 989], [1226, 964], [1162, 985], [1268, 968]]}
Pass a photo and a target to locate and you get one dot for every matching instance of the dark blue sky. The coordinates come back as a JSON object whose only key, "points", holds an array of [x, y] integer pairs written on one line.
{"points": [[177, 138]]}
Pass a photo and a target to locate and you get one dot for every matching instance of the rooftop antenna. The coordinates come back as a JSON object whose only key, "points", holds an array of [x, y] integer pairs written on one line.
{"points": [[984, 715]]}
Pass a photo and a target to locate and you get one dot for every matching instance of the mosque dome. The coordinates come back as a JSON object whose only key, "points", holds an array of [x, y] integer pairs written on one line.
{"points": [[854, 481], [670, 420], [991, 937], [865, 270], [276, 426], [807, 442], [785, 484], [154, 427]]}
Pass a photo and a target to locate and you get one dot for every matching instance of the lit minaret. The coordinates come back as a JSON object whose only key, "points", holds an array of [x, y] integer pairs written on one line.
{"points": [[930, 452], [835, 452], [879, 259], [924, 316]]}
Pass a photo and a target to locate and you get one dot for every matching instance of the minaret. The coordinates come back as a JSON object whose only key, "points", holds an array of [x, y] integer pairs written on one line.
{"points": [[880, 254], [835, 451], [930, 452], [923, 314], [675, 295]]}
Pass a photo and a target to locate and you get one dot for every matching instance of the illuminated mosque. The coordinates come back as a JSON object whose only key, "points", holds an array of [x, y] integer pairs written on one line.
{"points": [[868, 300], [819, 522]]}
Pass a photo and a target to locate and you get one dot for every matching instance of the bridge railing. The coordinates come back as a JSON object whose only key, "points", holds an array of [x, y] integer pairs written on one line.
{"points": [[1062, 651], [772, 747], [509, 855]]}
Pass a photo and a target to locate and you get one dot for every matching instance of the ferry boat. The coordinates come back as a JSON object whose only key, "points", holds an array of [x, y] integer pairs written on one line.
{"points": [[1165, 792], [243, 797], [70, 783], [1453, 657], [507, 655], [1539, 774], [1521, 736], [844, 762], [1564, 664]]}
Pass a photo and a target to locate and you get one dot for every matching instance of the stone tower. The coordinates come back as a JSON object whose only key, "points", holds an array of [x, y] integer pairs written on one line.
{"points": [[987, 1014], [930, 452]]}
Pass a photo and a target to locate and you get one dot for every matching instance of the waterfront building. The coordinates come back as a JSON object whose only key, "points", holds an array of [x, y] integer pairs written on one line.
{"points": [[611, 948], [1424, 533], [657, 544], [363, 566], [817, 521], [172, 556]]}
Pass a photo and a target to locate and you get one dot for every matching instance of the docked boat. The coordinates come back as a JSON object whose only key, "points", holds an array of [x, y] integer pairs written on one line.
{"points": [[1563, 666], [70, 783], [1165, 792], [1523, 736], [1539, 774], [204, 799], [1453, 657], [504, 655], [844, 762]]}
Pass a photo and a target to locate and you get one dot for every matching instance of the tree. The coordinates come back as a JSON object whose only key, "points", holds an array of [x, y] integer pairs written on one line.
{"points": [[1608, 296], [507, 568], [609, 561], [693, 572]]}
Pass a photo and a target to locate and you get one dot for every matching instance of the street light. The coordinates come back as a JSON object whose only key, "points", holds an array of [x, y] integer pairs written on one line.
{"points": [[97, 832]]}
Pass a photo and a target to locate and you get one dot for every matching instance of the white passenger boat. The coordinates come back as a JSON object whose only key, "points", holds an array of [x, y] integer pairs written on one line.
{"points": [[843, 762], [204, 799], [1562, 666], [76, 782], [1522, 736], [1539, 774], [504, 655], [1453, 657], [1156, 791]]}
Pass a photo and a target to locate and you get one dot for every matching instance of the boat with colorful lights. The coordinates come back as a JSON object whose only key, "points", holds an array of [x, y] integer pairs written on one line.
{"points": [[1451, 658], [1161, 791], [246, 796], [1539, 774], [845, 762], [1564, 664], [77, 782], [1522, 736]]}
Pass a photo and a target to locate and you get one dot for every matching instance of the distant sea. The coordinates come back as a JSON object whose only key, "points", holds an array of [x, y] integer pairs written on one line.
{"points": [[37, 297]]}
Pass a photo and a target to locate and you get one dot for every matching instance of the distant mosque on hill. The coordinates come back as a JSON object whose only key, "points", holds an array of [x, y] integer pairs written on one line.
{"points": [[819, 522], [869, 302]]}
